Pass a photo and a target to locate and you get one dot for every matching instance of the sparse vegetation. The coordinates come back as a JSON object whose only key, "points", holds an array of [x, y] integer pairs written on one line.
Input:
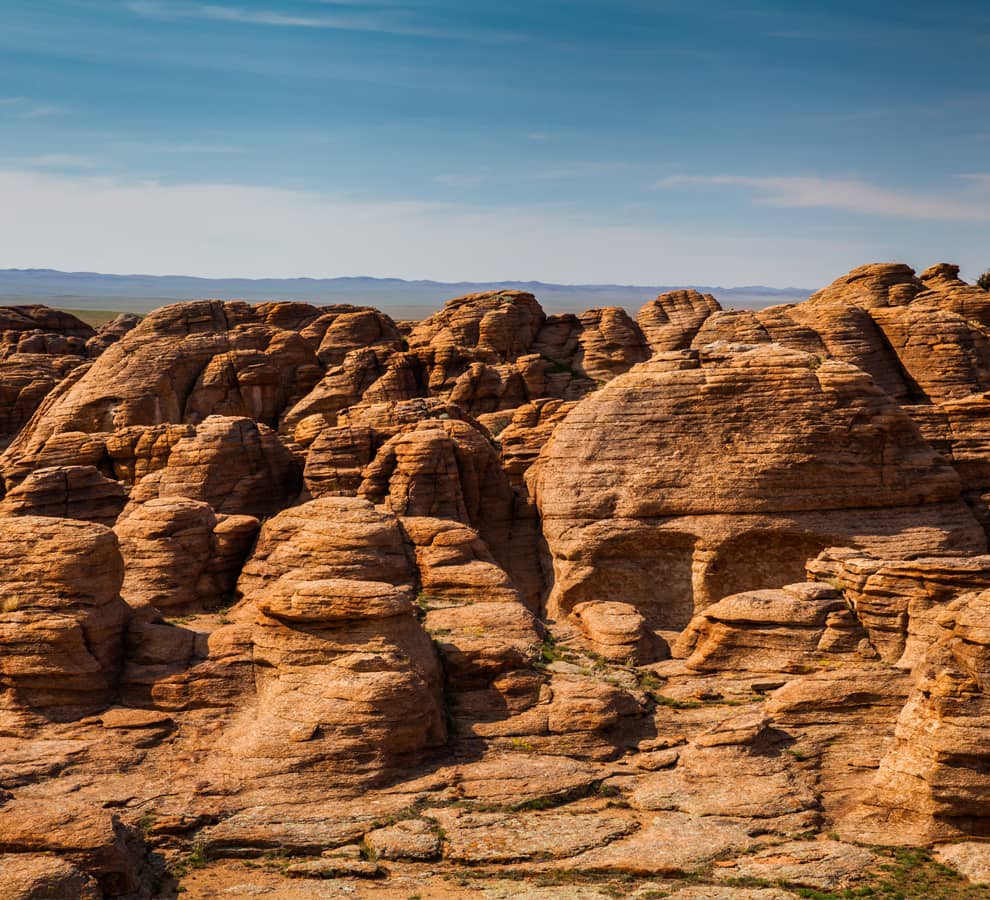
{"points": [[984, 280]]}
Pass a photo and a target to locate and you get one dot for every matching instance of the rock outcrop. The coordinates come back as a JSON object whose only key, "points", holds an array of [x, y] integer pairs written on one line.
{"points": [[61, 619], [704, 473], [348, 681], [630, 599], [933, 784]]}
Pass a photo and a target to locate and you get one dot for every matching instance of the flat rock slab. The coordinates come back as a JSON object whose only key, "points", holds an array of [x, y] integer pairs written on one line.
{"points": [[251, 832], [502, 838], [823, 865], [971, 859], [714, 892], [122, 717], [669, 845], [335, 868], [516, 778], [413, 839]]}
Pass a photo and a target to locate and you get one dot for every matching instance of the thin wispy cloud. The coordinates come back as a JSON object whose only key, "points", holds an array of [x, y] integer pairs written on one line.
{"points": [[847, 194], [455, 180], [391, 21], [56, 161], [27, 108], [180, 148], [980, 180]]}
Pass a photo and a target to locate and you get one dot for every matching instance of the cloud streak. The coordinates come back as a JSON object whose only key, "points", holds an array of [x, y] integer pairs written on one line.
{"points": [[27, 108], [846, 194], [371, 22]]}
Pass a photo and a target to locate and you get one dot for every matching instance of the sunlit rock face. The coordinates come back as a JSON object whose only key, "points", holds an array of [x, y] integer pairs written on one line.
{"points": [[704, 473]]}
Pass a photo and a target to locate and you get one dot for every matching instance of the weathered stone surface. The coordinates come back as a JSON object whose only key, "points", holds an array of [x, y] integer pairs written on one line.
{"points": [[698, 475], [337, 647], [672, 320], [236, 465], [524, 437], [872, 285], [415, 839], [25, 380], [899, 600], [946, 289], [70, 492], [933, 783], [179, 555], [28, 876], [822, 865], [618, 632], [737, 768], [785, 630], [61, 634], [500, 838], [395, 679], [33, 328], [94, 840], [182, 364], [670, 844], [444, 468], [502, 324], [970, 858], [111, 332]]}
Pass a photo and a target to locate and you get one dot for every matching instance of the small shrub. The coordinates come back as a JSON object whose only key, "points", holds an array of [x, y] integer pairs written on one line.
{"points": [[984, 280]]}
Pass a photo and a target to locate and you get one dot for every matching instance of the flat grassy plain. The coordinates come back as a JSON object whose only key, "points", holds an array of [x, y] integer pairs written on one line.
{"points": [[94, 317]]}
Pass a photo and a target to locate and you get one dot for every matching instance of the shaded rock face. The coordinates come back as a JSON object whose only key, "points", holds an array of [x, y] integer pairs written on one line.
{"points": [[236, 465], [111, 332], [25, 380], [348, 680], [899, 601], [700, 474], [39, 329], [101, 856], [180, 556], [933, 784], [60, 634]]}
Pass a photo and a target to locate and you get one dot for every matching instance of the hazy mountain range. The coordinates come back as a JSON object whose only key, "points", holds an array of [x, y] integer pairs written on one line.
{"points": [[399, 298]]}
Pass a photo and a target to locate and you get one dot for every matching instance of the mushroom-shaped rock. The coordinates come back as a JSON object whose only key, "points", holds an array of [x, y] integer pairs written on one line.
{"points": [[348, 680], [618, 632]]}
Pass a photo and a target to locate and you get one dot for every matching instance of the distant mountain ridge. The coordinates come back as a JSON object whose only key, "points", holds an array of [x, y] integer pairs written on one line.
{"points": [[399, 297]]}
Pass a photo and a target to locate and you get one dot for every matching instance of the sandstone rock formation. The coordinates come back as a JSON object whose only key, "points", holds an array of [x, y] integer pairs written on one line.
{"points": [[703, 473], [576, 598], [348, 681], [61, 619]]}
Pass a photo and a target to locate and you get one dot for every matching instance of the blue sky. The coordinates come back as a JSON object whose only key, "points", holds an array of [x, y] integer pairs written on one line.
{"points": [[716, 141]]}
